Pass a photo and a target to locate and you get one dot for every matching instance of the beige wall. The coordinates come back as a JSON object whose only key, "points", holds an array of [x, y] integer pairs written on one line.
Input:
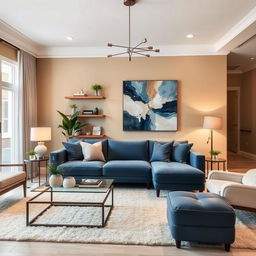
{"points": [[202, 90], [234, 80], [248, 106], [247, 84]]}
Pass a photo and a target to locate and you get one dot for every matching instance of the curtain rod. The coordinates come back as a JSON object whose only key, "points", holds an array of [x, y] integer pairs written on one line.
{"points": [[2, 40]]}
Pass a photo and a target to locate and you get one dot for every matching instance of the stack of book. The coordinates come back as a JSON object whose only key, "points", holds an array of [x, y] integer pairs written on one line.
{"points": [[90, 183], [87, 112]]}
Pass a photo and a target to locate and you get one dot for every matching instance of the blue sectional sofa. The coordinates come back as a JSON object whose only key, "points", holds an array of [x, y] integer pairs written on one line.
{"points": [[129, 162]]}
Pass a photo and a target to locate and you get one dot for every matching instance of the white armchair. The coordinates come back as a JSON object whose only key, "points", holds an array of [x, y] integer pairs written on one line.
{"points": [[239, 189]]}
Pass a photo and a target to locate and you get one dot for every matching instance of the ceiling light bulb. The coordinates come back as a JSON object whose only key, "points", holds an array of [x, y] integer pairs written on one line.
{"points": [[69, 38], [189, 36]]}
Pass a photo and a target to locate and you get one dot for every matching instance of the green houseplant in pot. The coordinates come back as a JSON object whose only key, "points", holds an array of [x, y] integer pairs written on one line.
{"points": [[97, 89], [31, 154], [73, 108], [56, 178], [214, 153], [70, 125]]}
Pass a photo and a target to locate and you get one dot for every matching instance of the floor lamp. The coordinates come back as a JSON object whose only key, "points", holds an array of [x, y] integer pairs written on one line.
{"points": [[212, 123]]}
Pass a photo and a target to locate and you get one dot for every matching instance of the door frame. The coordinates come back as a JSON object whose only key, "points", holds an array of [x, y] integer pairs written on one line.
{"points": [[237, 89]]}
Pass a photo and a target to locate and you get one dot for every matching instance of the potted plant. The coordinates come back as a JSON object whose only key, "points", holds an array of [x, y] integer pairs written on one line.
{"points": [[97, 89], [73, 108], [214, 153], [31, 154], [56, 178], [70, 125]]}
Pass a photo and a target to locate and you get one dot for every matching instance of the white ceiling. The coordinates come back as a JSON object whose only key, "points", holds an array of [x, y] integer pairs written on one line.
{"points": [[93, 23]]}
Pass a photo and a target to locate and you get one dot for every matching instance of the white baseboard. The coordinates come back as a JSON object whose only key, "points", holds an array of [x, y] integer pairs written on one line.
{"points": [[248, 155]]}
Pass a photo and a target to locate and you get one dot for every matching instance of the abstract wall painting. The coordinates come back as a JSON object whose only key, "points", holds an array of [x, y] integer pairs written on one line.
{"points": [[150, 105]]}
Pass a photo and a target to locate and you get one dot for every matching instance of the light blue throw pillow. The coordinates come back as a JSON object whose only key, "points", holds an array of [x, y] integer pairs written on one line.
{"points": [[180, 152], [161, 152]]}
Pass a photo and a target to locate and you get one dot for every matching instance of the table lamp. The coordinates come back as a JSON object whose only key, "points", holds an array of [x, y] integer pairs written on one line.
{"points": [[40, 134], [212, 123]]}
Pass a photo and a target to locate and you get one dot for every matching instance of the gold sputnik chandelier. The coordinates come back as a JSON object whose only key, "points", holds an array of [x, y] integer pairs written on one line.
{"points": [[132, 50]]}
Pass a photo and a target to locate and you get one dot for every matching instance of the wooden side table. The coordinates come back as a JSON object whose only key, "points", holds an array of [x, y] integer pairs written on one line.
{"points": [[38, 161], [210, 162]]}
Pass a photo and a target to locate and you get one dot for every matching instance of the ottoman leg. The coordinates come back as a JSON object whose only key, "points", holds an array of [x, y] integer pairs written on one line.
{"points": [[158, 192], [227, 247], [178, 244]]}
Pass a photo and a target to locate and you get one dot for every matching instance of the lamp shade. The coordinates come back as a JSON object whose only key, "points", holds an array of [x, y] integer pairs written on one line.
{"points": [[212, 122], [40, 133]]}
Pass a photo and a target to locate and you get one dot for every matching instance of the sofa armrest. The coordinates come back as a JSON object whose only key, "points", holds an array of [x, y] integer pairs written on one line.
{"points": [[229, 176], [239, 195], [197, 160], [58, 157]]}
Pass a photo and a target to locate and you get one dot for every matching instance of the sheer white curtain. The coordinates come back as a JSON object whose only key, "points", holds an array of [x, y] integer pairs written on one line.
{"points": [[27, 102]]}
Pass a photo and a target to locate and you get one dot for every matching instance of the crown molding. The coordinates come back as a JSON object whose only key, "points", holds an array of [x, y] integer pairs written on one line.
{"points": [[94, 52], [13, 36], [236, 30]]}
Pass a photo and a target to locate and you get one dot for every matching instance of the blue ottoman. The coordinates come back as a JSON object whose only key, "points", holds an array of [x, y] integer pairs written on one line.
{"points": [[200, 217]]}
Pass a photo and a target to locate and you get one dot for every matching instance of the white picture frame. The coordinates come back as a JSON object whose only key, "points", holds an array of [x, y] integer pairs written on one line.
{"points": [[96, 130]]}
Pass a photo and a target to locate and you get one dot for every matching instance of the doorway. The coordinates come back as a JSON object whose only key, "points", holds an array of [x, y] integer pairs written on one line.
{"points": [[233, 119]]}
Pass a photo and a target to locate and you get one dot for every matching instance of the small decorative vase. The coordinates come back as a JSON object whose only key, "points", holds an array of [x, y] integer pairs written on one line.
{"points": [[98, 92], [69, 182], [215, 157], [32, 157], [55, 180]]}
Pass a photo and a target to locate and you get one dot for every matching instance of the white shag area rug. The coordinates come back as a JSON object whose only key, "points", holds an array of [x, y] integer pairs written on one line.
{"points": [[138, 218]]}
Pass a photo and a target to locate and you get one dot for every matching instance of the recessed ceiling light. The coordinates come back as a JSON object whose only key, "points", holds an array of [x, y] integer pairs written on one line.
{"points": [[69, 38], [189, 36], [251, 58]]}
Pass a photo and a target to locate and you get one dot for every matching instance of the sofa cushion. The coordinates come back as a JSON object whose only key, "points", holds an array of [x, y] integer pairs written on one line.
{"points": [[78, 168], [8, 178], [92, 152], [127, 168], [249, 178], [74, 151], [92, 141], [127, 150], [199, 209], [180, 152], [161, 152], [174, 172]]}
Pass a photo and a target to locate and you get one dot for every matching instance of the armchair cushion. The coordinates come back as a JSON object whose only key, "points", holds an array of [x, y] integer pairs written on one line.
{"points": [[215, 186], [9, 178], [249, 178]]}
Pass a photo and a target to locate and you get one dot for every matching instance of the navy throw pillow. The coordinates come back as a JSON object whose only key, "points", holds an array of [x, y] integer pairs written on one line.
{"points": [[180, 152], [161, 152], [74, 151]]}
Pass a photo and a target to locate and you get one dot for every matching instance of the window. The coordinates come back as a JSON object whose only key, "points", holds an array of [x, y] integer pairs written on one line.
{"points": [[8, 94]]}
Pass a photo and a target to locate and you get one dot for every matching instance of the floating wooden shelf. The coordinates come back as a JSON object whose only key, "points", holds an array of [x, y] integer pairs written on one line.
{"points": [[88, 97], [88, 136], [88, 116]]}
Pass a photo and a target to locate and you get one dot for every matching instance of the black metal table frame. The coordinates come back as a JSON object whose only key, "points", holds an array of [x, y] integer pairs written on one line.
{"points": [[51, 203], [38, 161]]}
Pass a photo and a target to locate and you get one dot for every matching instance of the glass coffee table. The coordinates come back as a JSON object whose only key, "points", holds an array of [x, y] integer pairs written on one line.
{"points": [[87, 198]]}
